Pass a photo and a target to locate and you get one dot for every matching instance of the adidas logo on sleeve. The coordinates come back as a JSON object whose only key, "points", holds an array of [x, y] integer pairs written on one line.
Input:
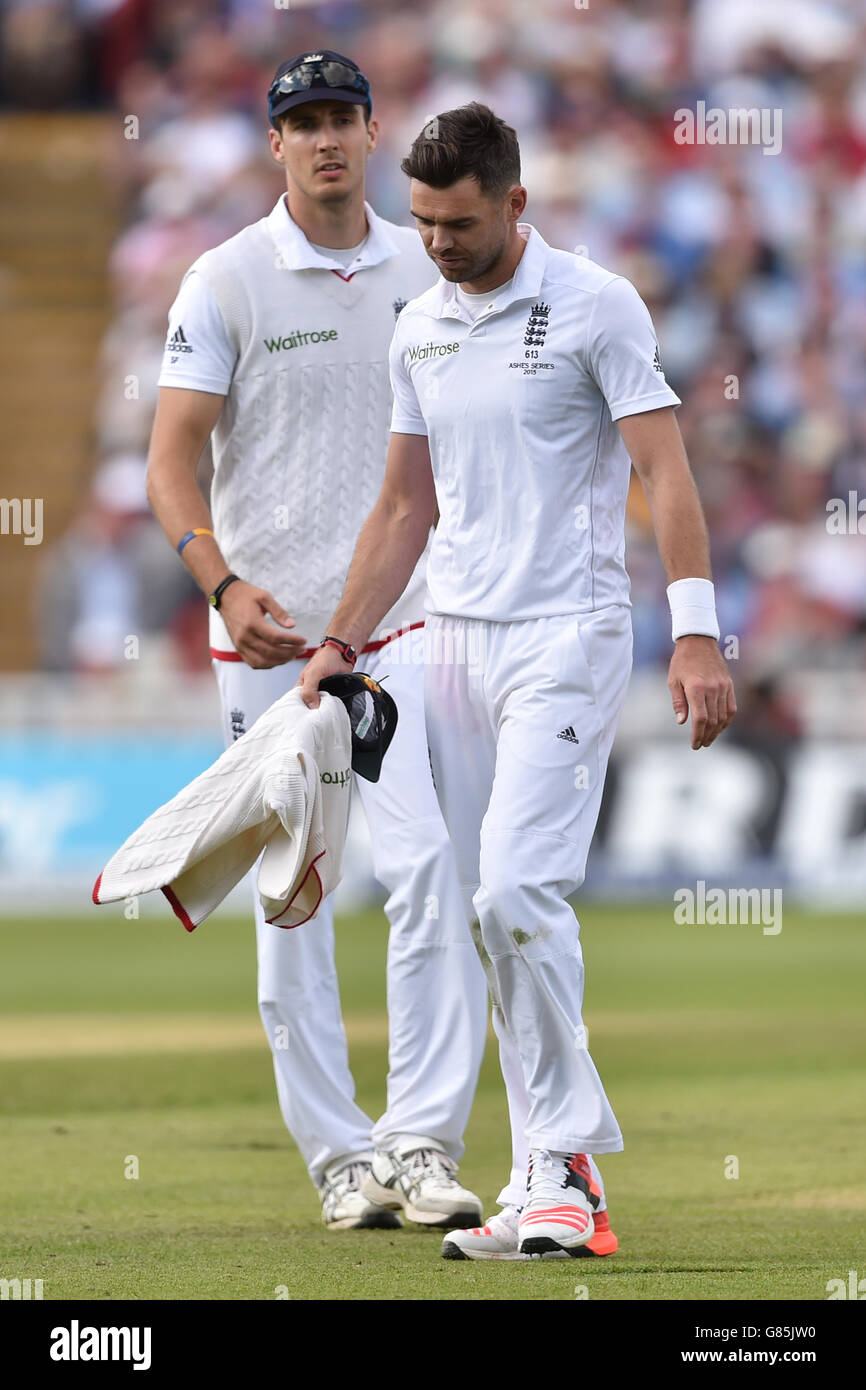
{"points": [[177, 342], [569, 735]]}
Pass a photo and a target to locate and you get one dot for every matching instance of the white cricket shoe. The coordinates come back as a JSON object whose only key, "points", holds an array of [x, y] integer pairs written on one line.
{"points": [[344, 1206], [421, 1179], [498, 1240], [558, 1211]]}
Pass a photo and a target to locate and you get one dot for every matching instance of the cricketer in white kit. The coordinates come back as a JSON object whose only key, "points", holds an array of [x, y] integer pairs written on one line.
{"points": [[278, 349], [525, 383]]}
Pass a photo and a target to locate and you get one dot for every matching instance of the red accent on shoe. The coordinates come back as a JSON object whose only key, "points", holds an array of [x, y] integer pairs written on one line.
{"points": [[577, 1220], [603, 1241], [580, 1164], [558, 1225]]}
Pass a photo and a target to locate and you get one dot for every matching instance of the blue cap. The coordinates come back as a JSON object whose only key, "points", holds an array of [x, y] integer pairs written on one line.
{"points": [[320, 75]]}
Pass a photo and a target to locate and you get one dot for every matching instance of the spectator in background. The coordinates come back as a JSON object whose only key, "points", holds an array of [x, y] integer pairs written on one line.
{"points": [[39, 36], [111, 579]]}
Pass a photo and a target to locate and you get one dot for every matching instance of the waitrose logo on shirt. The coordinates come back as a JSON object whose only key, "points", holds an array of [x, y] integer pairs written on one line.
{"points": [[422, 351], [296, 339]]}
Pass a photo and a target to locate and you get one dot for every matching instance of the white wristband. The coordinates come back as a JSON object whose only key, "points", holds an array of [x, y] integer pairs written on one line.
{"points": [[693, 608]]}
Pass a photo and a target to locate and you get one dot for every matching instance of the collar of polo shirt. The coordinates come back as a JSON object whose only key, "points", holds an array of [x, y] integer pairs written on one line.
{"points": [[526, 283], [297, 253]]}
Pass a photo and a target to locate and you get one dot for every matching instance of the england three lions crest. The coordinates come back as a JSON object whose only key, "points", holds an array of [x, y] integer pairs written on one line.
{"points": [[536, 325]]}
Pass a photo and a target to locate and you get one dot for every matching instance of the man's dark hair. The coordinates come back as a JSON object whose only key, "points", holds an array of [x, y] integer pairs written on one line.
{"points": [[469, 141]]}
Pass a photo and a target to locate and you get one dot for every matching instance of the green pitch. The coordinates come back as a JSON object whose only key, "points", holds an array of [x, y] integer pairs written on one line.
{"points": [[131, 1047]]}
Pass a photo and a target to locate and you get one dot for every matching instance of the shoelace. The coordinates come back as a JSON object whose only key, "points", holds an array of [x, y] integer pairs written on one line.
{"points": [[348, 1178], [547, 1175], [433, 1165]]}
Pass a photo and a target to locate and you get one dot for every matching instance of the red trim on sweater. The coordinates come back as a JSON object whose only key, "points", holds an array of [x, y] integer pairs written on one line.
{"points": [[285, 926], [178, 908]]}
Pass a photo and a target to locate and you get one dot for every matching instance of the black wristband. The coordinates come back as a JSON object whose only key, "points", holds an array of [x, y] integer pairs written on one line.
{"points": [[215, 599]]}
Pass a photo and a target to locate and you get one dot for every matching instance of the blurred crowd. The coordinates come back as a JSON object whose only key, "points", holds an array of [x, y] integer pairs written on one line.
{"points": [[752, 263]]}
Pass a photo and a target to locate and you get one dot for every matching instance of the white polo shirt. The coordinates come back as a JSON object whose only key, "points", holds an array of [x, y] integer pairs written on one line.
{"points": [[519, 403], [297, 341]]}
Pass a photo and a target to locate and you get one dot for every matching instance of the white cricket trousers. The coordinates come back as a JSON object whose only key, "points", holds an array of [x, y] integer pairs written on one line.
{"points": [[520, 719], [436, 992]]}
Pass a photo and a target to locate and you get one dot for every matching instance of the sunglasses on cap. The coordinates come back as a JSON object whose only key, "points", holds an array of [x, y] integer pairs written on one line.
{"points": [[327, 73]]}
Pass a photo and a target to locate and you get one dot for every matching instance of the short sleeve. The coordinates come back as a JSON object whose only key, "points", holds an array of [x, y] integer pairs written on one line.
{"points": [[406, 417], [623, 352], [198, 354]]}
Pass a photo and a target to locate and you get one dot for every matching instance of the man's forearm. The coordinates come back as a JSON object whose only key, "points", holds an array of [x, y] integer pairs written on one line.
{"points": [[172, 489], [386, 553], [679, 525], [657, 451], [179, 507]]}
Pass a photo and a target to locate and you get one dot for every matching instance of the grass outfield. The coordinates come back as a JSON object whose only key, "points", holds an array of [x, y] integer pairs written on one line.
{"points": [[131, 1038]]}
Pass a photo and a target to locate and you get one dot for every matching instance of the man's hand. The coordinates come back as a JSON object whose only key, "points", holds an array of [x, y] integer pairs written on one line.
{"points": [[261, 645], [698, 681], [326, 662]]}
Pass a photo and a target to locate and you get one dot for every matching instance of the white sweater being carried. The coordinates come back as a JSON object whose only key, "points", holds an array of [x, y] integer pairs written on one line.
{"points": [[283, 788]]}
